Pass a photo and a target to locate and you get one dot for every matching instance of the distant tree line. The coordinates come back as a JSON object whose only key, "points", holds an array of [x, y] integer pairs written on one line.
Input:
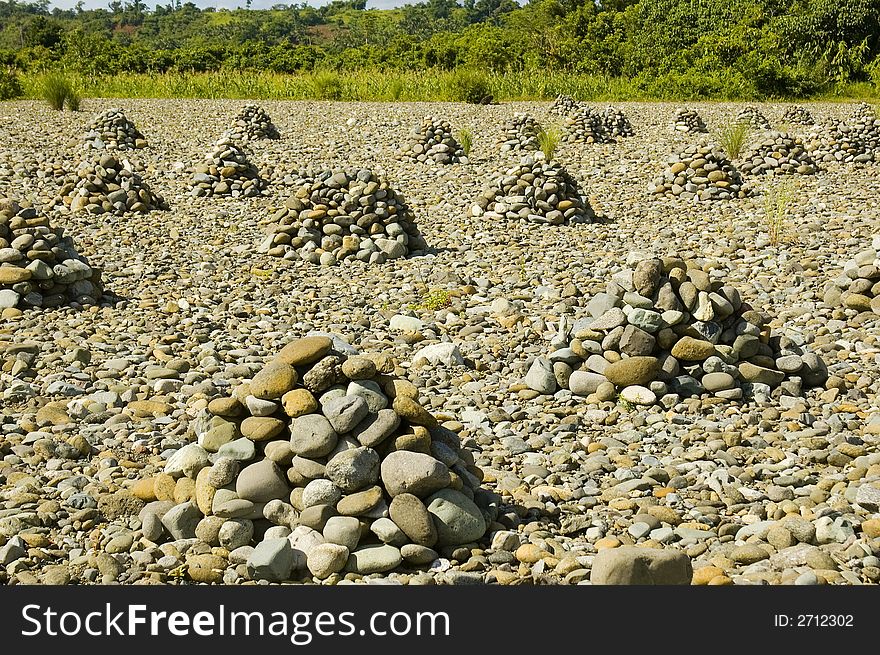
{"points": [[769, 47]]}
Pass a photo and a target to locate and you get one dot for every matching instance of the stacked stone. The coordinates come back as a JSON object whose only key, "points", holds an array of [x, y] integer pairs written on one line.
{"points": [[752, 116], [112, 129], [519, 134], [536, 191], [108, 186], [565, 105], [797, 115], [863, 112], [701, 172], [858, 286], [668, 330], [323, 464], [433, 140], [586, 125], [836, 141], [688, 121], [251, 124], [778, 153], [339, 215], [226, 170], [616, 124], [39, 266]]}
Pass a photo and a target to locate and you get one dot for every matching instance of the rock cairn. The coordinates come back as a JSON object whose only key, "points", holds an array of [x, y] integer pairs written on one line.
{"points": [[226, 170], [565, 105], [39, 266], [322, 465], [688, 121], [855, 142], [536, 191], [108, 186], [339, 215], [615, 124], [797, 115], [778, 153], [433, 140], [752, 116], [858, 286], [701, 172], [252, 123], [519, 134], [863, 112], [668, 330], [113, 130], [586, 125]]}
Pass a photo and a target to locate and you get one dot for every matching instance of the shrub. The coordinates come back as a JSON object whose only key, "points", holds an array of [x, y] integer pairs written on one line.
{"points": [[467, 85], [548, 141], [466, 139], [327, 85], [10, 85], [733, 138], [58, 91]]}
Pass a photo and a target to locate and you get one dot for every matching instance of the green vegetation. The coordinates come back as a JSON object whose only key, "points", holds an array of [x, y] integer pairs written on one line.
{"points": [[466, 139], [10, 85], [734, 137], [548, 141], [443, 50], [59, 92], [777, 201]]}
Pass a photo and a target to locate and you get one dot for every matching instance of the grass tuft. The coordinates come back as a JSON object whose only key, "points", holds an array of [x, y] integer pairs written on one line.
{"points": [[59, 91], [466, 139], [733, 137], [548, 141], [777, 203]]}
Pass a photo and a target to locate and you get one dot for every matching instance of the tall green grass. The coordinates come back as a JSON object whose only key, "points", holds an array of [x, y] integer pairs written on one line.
{"points": [[59, 91], [548, 141], [734, 138]]}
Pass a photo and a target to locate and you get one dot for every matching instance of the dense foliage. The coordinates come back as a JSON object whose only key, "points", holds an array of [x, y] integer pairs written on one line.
{"points": [[663, 48]]}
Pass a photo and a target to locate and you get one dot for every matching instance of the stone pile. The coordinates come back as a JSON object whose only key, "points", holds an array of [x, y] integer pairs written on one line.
{"points": [[797, 115], [339, 215], [322, 465], [616, 124], [858, 286], [701, 172], [536, 191], [670, 329], [226, 170], [778, 153], [108, 186], [433, 140], [586, 125], [111, 129], [752, 116], [688, 121], [565, 105], [519, 134], [39, 266], [252, 123], [864, 112], [855, 142]]}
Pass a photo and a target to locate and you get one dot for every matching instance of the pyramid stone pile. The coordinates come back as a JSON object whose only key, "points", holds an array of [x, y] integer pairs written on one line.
{"points": [[701, 172], [39, 266], [251, 124], [111, 130], [752, 116], [108, 186], [670, 329], [778, 153], [864, 112], [836, 141], [797, 115], [616, 124], [688, 121], [322, 464], [339, 215], [565, 105], [586, 125], [858, 286], [536, 191], [226, 170], [433, 141], [519, 134]]}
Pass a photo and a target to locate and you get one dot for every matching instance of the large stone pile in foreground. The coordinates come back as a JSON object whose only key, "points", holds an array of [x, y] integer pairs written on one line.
{"points": [[339, 215], [111, 129], [778, 153], [668, 330], [108, 185], [858, 286], [797, 115], [226, 170], [39, 266], [252, 123], [753, 117], [433, 140], [321, 465], [701, 172], [537, 191], [519, 134], [688, 121]]}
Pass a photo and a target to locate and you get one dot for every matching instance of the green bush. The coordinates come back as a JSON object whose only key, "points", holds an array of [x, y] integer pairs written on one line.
{"points": [[327, 85], [10, 85], [55, 89], [468, 85]]}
